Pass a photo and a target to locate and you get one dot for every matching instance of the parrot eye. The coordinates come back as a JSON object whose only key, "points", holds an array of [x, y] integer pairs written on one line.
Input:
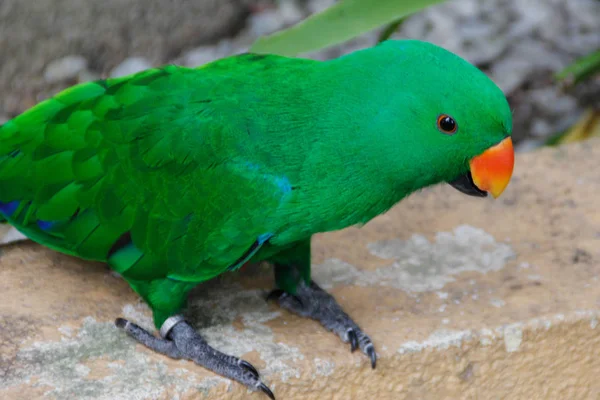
{"points": [[446, 124]]}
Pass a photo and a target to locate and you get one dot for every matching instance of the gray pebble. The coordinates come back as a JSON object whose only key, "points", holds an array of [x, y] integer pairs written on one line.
{"points": [[130, 66], [64, 69]]}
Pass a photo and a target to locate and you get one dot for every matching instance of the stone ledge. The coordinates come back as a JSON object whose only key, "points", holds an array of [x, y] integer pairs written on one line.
{"points": [[464, 298]]}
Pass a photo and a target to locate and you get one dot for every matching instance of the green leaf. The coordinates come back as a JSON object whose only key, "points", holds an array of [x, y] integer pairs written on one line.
{"points": [[587, 127], [580, 70], [340, 22], [390, 29]]}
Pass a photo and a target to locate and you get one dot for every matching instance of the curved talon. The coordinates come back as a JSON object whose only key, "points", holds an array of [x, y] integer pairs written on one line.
{"points": [[353, 340], [372, 355], [121, 323], [249, 367], [266, 391]]}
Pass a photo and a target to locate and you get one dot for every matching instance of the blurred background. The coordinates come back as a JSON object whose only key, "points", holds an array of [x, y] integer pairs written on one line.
{"points": [[48, 45]]}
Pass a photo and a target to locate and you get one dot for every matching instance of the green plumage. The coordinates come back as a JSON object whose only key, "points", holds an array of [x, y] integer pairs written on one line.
{"points": [[175, 175]]}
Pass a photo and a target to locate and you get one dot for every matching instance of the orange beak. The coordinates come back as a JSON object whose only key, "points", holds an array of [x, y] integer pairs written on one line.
{"points": [[491, 170]]}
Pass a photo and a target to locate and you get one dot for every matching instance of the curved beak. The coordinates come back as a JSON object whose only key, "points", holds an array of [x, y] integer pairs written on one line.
{"points": [[490, 171]]}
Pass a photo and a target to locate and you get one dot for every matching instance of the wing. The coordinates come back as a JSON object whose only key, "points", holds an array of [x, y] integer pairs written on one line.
{"points": [[149, 172]]}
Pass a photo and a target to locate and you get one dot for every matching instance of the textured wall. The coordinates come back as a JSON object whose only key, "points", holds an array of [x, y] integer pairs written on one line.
{"points": [[35, 32]]}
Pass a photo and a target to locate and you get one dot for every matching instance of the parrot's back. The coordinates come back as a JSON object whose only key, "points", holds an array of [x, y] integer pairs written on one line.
{"points": [[185, 173], [146, 169]]}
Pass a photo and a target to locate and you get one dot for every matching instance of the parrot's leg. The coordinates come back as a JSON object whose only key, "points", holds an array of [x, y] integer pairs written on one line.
{"points": [[178, 339], [298, 293], [313, 302], [182, 341]]}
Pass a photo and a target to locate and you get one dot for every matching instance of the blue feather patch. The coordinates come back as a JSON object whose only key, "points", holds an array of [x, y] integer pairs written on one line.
{"points": [[262, 239], [45, 225], [284, 184], [281, 181], [9, 208]]}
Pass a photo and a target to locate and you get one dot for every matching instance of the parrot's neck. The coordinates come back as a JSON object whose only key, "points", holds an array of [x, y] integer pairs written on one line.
{"points": [[332, 151], [358, 178], [349, 194], [346, 180]]}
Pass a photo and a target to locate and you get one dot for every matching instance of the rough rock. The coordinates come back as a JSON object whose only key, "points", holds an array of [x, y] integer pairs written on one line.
{"points": [[205, 54], [465, 298], [8, 234], [130, 66], [65, 69], [34, 33]]}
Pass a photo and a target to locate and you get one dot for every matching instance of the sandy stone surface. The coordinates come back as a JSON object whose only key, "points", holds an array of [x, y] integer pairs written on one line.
{"points": [[464, 298]]}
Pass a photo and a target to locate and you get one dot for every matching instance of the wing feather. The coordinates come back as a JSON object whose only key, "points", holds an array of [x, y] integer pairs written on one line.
{"points": [[151, 157]]}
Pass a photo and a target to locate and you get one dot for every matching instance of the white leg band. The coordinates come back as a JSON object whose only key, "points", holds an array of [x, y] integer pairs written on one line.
{"points": [[169, 324]]}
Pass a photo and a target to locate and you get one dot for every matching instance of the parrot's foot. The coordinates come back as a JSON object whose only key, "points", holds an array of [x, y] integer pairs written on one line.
{"points": [[182, 341], [313, 302]]}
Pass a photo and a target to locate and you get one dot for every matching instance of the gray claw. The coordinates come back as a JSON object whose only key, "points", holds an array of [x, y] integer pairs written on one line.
{"points": [[372, 355], [353, 340], [249, 367], [266, 391], [121, 322]]}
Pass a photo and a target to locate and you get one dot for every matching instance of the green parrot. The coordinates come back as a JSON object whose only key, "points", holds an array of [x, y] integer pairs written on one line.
{"points": [[176, 175]]}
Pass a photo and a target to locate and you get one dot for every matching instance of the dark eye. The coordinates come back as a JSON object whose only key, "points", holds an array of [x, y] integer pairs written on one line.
{"points": [[446, 124]]}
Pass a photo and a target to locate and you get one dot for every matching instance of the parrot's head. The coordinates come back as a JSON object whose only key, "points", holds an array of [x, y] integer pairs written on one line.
{"points": [[455, 120]]}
